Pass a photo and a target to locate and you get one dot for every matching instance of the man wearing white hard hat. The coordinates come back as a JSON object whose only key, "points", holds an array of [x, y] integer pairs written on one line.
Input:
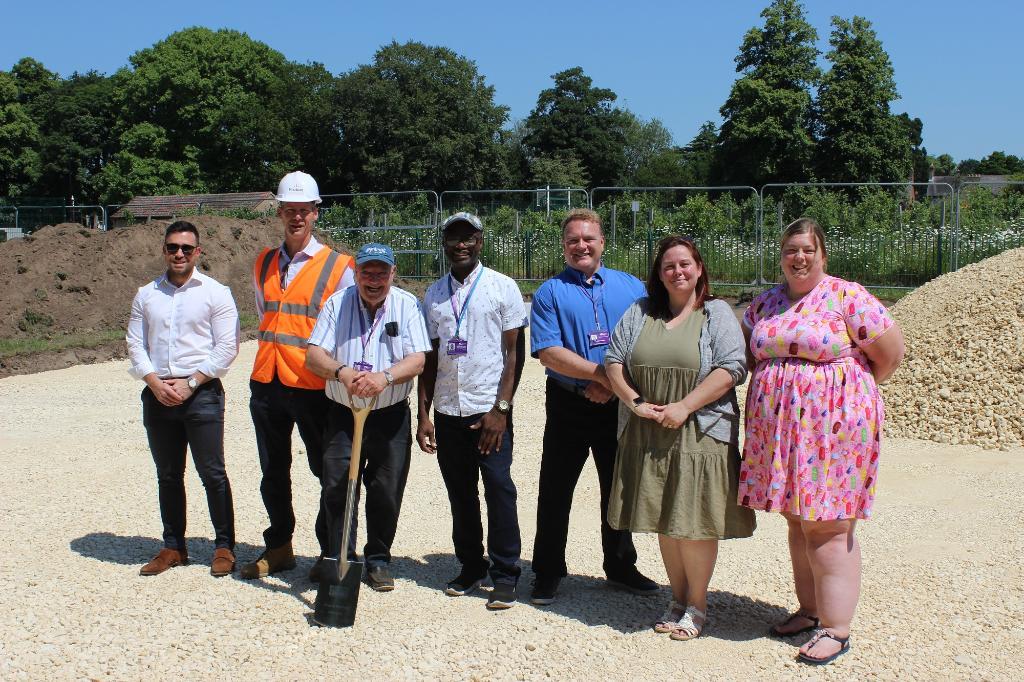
{"points": [[292, 283]]}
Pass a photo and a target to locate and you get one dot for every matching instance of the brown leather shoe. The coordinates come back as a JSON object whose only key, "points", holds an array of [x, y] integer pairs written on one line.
{"points": [[223, 562], [271, 561], [167, 558]]}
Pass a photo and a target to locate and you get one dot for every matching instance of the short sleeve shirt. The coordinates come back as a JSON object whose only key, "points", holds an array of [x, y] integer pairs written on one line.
{"points": [[567, 308], [834, 320], [348, 340], [468, 384]]}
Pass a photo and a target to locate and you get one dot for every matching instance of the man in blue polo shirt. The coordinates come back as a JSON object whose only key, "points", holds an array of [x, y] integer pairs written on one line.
{"points": [[572, 318]]}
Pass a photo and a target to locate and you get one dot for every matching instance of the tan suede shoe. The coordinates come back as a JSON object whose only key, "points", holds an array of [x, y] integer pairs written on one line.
{"points": [[223, 562], [167, 558], [271, 561]]}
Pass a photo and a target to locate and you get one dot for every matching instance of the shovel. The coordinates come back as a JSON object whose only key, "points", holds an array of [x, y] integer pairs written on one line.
{"points": [[338, 595]]}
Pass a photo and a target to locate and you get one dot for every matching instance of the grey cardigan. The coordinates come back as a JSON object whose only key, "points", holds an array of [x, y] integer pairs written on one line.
{"points": [[721, 345]]}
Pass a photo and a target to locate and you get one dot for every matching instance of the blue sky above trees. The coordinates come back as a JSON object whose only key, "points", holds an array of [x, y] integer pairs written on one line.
{"points": [[956, 67]]}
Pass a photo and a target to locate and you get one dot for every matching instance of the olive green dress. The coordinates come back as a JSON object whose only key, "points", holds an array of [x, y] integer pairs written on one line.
{"points": [[674, 481]]}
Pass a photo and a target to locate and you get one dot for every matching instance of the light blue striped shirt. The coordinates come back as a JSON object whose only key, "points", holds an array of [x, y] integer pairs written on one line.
{"points": [[338, 331]]}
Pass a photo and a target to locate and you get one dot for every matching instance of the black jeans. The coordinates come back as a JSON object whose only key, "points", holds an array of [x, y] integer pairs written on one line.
{"points": [[574, 427], [387, 449], [197, 424], [276, 409], [462, 466]]}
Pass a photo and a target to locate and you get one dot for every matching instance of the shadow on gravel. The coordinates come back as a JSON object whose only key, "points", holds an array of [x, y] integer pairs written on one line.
{"points": [[136, 550], [738, 618]]}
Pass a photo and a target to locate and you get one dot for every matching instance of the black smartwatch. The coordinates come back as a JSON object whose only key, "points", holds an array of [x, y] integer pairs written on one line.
{"points": [[638, 401], [337, 372]]}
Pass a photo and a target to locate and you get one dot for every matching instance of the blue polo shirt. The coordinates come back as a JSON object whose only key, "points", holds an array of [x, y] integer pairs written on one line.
{"points": [[564, 307]]}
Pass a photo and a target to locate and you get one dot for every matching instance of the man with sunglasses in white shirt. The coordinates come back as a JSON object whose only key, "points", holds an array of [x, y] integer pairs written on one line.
{"points": [[182, 337]]}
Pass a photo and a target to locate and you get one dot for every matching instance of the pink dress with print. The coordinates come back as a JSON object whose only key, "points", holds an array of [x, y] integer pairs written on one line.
{"points": [[814, 414]]}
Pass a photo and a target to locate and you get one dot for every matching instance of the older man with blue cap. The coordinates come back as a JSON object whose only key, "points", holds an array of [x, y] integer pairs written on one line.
{"points": [[369, 341]]}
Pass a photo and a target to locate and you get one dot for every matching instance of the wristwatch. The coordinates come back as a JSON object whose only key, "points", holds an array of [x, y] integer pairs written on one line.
{"points": [[337, 372], [389, 377], [638, 401], [503, 406], [192, 383]]}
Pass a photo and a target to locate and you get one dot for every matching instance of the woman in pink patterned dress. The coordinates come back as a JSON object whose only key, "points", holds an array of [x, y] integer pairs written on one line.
{"points": [[818, 346]]}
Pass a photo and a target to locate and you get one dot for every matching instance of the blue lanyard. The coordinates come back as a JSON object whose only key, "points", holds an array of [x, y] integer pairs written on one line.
{"points": [[459, 315], [593, 301]]}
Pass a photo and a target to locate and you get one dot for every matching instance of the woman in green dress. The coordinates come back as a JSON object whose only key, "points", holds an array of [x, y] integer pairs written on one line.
{"points": [[675, 359]]}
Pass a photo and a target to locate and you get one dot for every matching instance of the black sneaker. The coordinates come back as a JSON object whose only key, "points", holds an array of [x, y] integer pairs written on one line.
{"points": [[379, 579], [503, 596], [544, 589], [636, 582], [464, 584]]}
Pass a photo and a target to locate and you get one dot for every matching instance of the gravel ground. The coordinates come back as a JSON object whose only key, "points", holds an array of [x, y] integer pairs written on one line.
{"points": [[943, 583]]}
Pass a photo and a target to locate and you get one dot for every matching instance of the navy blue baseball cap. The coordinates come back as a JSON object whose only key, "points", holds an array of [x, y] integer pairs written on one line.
{"points": [[374, 251]]}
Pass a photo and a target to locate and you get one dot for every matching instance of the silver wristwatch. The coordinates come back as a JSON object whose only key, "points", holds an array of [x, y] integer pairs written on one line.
{"points": [[192, 383], [503, 406], [389, 377]]}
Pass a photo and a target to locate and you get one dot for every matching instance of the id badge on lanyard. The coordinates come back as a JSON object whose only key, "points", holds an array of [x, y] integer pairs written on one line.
{"points": [[596, 336], [365, 335], [458, 346]]}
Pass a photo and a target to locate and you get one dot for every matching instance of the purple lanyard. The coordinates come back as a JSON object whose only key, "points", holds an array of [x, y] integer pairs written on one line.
{"points": [[465, 304], [593, 301], [364, 335]]}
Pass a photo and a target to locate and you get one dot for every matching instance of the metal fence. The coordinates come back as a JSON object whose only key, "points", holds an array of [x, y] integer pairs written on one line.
{"points": [[880, 234]]}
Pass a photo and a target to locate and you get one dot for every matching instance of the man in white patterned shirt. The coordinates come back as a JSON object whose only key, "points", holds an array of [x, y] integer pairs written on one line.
{"points": [[182, 337], [475, 316], [369, 340]]}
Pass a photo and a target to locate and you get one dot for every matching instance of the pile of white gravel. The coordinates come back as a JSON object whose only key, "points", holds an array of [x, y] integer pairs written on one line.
{"points": [[962, 381]]}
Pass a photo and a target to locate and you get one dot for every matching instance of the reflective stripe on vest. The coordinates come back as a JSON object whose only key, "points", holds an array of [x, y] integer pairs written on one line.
{"points": [[284, 339]]}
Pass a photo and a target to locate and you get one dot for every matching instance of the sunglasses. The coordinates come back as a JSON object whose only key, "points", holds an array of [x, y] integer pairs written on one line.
{"points": [[186, 249]]}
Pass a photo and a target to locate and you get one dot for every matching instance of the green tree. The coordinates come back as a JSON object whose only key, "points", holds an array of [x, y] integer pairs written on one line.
{"points": [[698, 156], [419, 117], [561, 170], [577, 119], [142, 167], [860, 138], [766, 133], [943, 164], [308, 103], [74, 119], [19, 139], [645, 141], [1000, 163], [212, 94], [921, 163], [33, 80]]}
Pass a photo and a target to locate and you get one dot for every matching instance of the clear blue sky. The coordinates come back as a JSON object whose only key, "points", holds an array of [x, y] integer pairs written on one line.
{"points": [[958, 64]]}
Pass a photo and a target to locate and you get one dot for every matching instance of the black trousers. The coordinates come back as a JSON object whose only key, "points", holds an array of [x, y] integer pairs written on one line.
{"points": [[462, 467], [198, 425], [276, 409], [574, 427], [386, 452]]}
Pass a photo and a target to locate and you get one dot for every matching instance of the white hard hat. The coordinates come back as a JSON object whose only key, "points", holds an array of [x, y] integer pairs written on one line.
{"points": [[298, 186]]}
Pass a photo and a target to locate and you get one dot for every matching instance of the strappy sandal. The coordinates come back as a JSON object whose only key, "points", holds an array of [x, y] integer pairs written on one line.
{"points": [[774, 631], [670, 618], [819, 634], [687, 627]]}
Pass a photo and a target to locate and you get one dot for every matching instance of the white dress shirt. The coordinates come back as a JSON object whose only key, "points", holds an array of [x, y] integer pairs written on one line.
{"points": [[177, 331], [468, 384], [339, 332], [290, 267]]}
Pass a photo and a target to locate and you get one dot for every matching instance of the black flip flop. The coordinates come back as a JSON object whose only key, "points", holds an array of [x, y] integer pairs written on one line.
{"points": [[773, 631], [821, 633]]}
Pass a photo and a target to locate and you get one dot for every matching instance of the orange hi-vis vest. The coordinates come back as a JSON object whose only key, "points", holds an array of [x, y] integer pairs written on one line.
{"points": [[290, 314]]}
